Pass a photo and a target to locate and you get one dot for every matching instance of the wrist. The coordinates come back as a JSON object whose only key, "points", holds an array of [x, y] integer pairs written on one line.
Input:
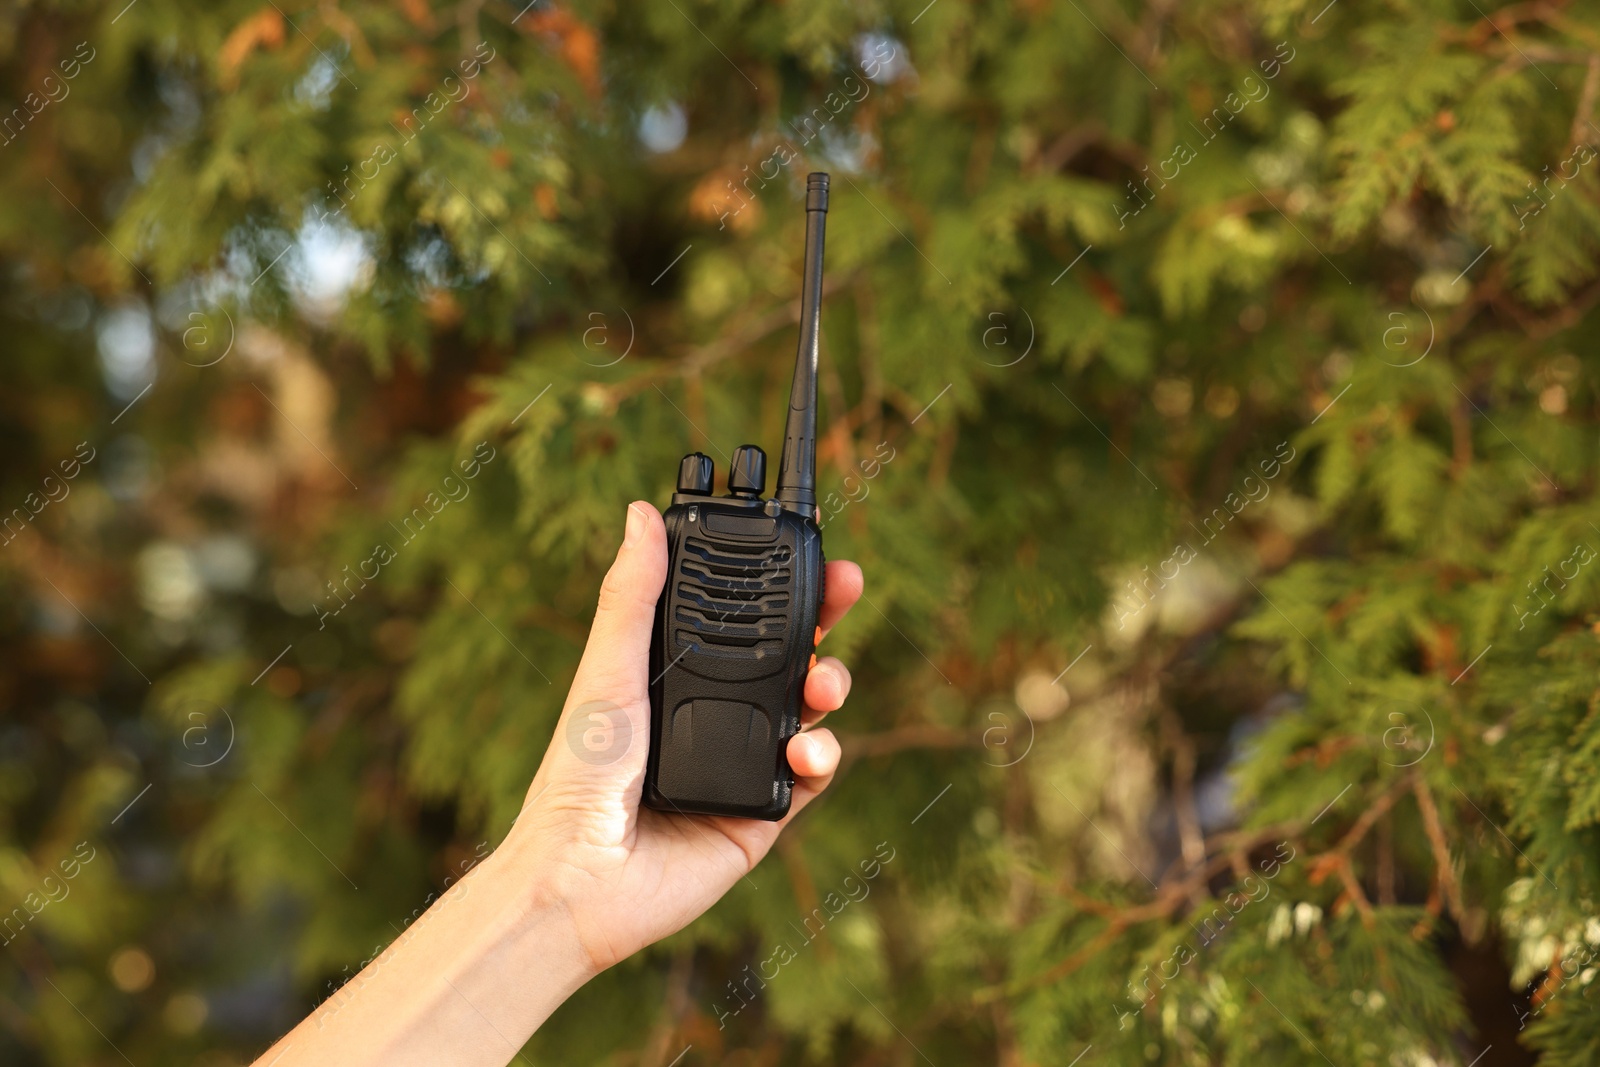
{"points": [[534, 925]]}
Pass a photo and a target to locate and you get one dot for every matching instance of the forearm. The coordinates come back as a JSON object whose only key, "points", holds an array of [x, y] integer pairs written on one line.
{"points": [[467, 983]]}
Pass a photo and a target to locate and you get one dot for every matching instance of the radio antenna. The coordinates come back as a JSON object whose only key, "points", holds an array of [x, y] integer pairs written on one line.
{"points": [[797, 469]]}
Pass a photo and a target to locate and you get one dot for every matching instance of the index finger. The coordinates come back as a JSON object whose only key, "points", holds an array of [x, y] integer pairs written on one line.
{"points": [[843, 585]]}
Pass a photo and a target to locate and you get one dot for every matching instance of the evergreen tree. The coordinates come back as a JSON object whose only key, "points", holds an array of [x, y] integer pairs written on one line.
{"points": [[1203, 398]]}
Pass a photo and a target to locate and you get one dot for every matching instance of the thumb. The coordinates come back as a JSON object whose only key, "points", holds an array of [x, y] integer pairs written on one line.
{"points": [[616, 661]]}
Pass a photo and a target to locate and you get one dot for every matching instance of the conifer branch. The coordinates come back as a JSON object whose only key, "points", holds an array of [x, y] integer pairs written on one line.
{"points": [[1528, 53], [805, 887], [1506, 19], [1373, 813], [1460, 439], [1570, 314], [1065, 147], [1448, 887], [1354, 892], [1385, 875], [729, 344], [673, 1010], [1061, 970], [1586, 98], [1170, 897]]}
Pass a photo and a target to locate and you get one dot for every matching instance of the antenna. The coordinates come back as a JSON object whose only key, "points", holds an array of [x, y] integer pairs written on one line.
{"points": [[797, 469]]}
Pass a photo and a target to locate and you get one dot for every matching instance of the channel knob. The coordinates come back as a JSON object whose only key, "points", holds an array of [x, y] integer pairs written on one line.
{"points": [[695, 474], [748, 475]]}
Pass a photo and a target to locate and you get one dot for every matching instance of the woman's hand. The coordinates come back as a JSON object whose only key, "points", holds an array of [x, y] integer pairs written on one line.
{"points": [[628, 876], [585, 878]]}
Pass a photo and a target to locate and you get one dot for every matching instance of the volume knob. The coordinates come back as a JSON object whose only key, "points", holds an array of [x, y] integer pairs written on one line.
{"points": [[695, 473], [748, 475]]}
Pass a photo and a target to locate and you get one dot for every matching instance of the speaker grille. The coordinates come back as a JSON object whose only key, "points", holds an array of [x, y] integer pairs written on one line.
{"points": [[733, 600]]}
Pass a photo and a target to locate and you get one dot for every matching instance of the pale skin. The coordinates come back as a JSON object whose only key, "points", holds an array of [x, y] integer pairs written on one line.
{"points": [[585, 878]]}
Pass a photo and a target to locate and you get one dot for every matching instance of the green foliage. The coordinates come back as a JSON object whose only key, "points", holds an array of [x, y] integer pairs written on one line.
{"points": [[1212, 501]]}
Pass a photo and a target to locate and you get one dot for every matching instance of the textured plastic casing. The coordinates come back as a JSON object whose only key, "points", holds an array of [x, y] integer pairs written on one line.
{"points": [[735, 630]]}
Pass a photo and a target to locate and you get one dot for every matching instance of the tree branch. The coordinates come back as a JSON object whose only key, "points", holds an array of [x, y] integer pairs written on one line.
{"points": [[1580, 115], [1448, 887]]}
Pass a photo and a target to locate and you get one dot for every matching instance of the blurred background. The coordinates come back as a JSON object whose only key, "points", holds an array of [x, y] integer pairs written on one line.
{"points": [[1202, 394]]}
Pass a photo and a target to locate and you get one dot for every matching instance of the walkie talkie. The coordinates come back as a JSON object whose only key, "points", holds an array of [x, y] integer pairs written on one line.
{"points": [[736, 626]]}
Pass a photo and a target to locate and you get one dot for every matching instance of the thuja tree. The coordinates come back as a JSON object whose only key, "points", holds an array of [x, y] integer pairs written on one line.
{"points": [[1203, 396]]}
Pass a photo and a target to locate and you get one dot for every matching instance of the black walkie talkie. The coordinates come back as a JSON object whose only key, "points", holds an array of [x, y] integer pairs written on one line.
{"points": [[736, 626]]}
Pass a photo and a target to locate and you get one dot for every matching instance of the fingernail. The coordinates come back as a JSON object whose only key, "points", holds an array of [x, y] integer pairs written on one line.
{"points": [[808, 748], [635, 525]]}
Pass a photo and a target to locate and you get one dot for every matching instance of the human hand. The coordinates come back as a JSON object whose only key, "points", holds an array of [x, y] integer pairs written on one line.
{"points": [[627, 876], [585, 878]]}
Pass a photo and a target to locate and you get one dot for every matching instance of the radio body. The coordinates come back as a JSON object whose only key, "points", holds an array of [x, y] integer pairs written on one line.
{"points": [[734, 638], [737, 623]]}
